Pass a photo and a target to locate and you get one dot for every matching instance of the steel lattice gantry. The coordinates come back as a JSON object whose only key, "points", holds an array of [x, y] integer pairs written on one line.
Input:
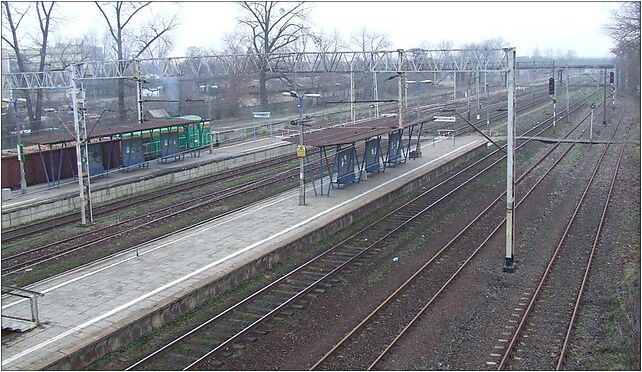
{"points": [[415, 60]]}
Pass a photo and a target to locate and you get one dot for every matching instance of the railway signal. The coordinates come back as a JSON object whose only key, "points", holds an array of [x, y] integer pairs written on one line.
{"points": [[611, 77], [551, 92]]}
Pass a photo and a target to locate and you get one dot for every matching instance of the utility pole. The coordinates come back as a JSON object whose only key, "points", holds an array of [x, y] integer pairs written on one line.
{"points": [[468, 96], [353, 114], [402, 84], [591, 130], [454, 85], [21, 162], [554, 102], [405, 93], [477, 81], [302, 158], [486, 84], [604, 101], [20, 147], [568, 99], [376, 93], [509, 265], [139, 93], [82, 159]]}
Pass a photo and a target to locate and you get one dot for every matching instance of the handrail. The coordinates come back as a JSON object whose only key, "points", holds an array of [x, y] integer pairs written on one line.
{"points": [[33, 302], [11, 288]]}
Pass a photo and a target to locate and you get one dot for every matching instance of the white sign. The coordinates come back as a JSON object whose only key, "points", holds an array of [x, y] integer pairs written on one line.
{"points": [[450, 119], [261, 115]]}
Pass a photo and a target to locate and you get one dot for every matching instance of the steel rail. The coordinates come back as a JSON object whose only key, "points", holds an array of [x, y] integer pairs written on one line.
{"points": [[290, 274], [285, 277], [508, 352], [410, 280], [227, 193], [217, 194], [578, 300], [14, 234], [408, 326], [66, 219], [12, 269], [227, 176]]}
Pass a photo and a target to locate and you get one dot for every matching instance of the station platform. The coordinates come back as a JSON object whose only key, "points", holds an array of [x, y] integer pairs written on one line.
{"points": [[84, 307], [42, 201]]}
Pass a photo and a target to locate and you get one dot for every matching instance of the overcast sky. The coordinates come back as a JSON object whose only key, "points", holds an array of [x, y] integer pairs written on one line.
{"points": [[524, 25]]}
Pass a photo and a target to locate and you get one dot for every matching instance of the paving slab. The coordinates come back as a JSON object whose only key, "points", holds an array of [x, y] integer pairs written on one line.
{"points": [[88, 303]]}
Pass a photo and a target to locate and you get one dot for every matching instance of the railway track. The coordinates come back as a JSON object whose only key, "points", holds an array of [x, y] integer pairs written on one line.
{"points": [[374, 335], [27, 259], [248, 319], [11, 235], [550, 312]]}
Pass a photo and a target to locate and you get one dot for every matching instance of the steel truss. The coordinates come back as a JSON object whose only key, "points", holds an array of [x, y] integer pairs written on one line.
{"points": [[414, 60]]}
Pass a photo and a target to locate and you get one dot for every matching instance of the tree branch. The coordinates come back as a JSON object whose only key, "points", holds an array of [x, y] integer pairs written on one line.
{"points": [[134, 13], [111, 29]]}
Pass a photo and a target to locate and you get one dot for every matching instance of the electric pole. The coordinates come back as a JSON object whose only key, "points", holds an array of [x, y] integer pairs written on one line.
{"points": [[509, 265], [604, 101]]}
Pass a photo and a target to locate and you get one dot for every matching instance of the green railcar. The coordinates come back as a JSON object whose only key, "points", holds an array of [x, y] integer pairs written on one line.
{"points": [[197, 134]]}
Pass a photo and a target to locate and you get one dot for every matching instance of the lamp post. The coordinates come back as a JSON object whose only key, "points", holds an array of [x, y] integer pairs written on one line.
{"points": [[301, 149]]}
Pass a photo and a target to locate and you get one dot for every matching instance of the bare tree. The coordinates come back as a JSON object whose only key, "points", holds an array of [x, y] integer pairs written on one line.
{"points": [[236, 43], [445, 44], [570, 54], [274, 27], [44, 17], [369, 41], [12, 26], [326, 42], [126, 44], [625, 32], [44, 12], [80, 49], [625, 29], [160, 47]]}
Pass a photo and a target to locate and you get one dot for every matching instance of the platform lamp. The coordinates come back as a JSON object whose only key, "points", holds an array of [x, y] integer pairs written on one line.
{"points": [[301, 148]]}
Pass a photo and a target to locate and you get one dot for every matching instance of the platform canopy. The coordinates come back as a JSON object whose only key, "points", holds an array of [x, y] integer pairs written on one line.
{"points": [[351, 133], [62, 137]]}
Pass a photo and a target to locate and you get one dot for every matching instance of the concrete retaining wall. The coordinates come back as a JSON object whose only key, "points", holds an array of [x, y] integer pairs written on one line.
{"points": [[12, 217], [171, 308]]}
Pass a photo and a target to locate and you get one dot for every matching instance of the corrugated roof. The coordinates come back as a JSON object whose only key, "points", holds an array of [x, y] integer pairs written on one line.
{"points": [[61, 137], [353, 132]]}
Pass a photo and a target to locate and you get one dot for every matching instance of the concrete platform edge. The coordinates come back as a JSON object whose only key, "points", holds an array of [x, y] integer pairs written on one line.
{"points": [[139, 324], [17, 215]]}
